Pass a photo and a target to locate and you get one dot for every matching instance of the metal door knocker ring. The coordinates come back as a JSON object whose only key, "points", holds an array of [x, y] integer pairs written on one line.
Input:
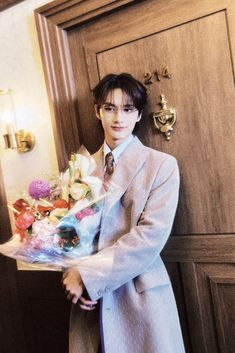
{"points": [[165, 118]]}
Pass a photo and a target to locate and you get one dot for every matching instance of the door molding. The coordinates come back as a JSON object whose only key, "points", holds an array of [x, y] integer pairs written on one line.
{"points": [[211, 248]]}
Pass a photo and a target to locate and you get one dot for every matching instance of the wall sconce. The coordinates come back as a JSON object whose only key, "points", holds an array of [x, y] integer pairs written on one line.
{"points": [[21, 140]]}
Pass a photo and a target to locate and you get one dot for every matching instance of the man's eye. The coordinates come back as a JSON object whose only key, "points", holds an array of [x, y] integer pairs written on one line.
{"points": [[129, 110], [109, 109]]}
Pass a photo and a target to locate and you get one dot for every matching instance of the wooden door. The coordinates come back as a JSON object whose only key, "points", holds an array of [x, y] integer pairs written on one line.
{"points": [[81, 42], [10, 315]]}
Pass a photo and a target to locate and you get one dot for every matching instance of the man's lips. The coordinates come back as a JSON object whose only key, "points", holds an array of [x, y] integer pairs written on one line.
{"points": [[118, 128]]}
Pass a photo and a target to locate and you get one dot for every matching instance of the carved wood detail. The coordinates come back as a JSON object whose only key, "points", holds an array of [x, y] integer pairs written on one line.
{"points": [[206, 248], [209, 306]]}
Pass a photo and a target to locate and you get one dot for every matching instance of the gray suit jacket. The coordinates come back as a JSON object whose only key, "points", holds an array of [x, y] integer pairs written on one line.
{"points": [[137, 311]]}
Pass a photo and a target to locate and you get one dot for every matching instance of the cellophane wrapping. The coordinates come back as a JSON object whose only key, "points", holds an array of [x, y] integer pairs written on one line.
{"points": [[57, 221]]}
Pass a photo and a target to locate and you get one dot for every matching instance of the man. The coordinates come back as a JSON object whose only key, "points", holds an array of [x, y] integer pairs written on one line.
{"points": [[131, 306]]}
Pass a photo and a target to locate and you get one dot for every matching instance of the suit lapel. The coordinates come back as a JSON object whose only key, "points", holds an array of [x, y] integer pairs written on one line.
{"points": [[99, 159]]}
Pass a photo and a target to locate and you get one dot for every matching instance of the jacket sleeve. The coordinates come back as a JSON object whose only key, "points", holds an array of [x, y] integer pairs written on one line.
{"points": [[134, 252]]}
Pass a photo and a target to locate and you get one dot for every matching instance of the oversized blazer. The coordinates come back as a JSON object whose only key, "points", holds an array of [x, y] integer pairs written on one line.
{"points": [[137, 312]]}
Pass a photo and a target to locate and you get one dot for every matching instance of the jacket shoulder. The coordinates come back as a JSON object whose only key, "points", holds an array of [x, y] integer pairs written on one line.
{"points": [[159, 157]]}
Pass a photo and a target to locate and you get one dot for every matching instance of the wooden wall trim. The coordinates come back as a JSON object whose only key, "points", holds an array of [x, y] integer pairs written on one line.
{"points": [[60, 86], [4, 4], [67, 13], [200, 248]]}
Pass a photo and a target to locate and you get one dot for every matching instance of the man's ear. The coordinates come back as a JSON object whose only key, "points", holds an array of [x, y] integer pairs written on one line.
{"points": [[97, 111]]}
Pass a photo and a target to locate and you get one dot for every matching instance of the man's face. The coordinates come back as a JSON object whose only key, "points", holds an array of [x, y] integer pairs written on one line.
{"points": [[118, 117]]}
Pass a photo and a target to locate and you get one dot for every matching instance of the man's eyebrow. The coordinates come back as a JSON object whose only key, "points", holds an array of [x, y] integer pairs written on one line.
{"points": [[128, 105], [124, 105], [109, 103]]}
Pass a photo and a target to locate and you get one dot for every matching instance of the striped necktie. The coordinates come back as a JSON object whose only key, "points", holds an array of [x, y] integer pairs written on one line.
{"points": [[109, 164]]}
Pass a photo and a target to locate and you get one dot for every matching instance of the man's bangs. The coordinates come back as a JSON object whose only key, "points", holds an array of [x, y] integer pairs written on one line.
{"points": [[108, 96]]}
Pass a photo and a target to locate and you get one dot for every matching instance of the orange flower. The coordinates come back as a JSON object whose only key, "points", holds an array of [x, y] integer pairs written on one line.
{"points": [[60, 204]]}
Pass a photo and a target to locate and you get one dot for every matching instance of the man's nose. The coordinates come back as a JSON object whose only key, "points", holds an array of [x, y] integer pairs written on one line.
{"points": [[119, 115]]}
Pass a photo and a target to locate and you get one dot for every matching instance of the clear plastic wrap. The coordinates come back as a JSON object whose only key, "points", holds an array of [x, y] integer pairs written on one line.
{"points": [[57, 221]]}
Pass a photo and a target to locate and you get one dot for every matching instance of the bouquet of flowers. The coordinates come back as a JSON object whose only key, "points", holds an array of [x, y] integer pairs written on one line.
{"points": [[56, 221]]}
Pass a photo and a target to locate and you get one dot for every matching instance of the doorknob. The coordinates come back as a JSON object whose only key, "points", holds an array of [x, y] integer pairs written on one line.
{"points": [[165, 118]]}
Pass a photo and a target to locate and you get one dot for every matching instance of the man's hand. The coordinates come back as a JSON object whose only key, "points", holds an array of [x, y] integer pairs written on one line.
{"points": [[74, 287]]}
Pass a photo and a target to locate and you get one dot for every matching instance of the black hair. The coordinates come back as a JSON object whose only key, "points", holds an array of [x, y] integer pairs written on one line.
{"points": [[133, 88]]}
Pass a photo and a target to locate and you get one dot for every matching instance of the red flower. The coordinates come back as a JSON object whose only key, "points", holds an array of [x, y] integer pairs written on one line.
{"points": [[20, 205]]}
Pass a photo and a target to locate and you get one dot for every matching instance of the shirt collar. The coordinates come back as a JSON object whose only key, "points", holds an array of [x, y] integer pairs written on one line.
{"points": [[116, 152]]}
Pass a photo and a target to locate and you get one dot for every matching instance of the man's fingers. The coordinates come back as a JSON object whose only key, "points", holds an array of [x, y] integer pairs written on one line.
{"points": [[72, 284], [72, 297], [87, 307], [87, 302], [75, 299]]}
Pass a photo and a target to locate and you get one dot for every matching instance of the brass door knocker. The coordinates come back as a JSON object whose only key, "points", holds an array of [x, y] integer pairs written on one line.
{"points": [[165, 118]]}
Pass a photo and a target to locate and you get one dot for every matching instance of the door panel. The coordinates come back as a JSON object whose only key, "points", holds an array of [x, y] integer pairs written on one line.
{"points": [[203, 95]]}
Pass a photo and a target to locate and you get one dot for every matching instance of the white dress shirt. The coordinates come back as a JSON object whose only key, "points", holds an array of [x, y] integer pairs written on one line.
{"points": [[117, 152]]}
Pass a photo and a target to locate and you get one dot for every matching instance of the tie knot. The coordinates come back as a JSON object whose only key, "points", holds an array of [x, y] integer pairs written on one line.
{"points": [[109, 160]]}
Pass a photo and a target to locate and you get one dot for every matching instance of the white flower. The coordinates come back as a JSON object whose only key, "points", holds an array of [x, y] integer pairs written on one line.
{"points": [[95, 185], [78, 190]]}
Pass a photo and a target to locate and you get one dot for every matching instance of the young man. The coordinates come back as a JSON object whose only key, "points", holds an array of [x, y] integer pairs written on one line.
{"points": [[131, 306]]}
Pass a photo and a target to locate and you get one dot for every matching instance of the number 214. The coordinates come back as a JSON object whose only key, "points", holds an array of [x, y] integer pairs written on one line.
{"points": [[148, 76]]}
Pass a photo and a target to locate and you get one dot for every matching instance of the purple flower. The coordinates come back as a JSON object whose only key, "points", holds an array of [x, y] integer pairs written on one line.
{"points": [[39, 189]]}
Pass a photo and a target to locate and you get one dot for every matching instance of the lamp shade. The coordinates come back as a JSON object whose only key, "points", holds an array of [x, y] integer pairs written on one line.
{"points": [[7, 114]]}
